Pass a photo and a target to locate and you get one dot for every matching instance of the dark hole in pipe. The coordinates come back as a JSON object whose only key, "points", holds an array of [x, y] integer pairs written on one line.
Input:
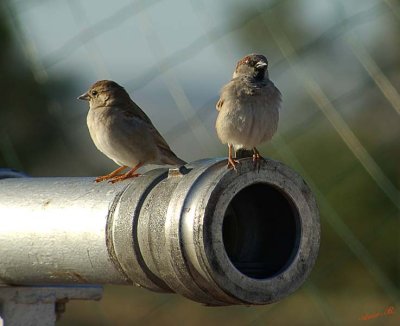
{"points": [[261, 231]]}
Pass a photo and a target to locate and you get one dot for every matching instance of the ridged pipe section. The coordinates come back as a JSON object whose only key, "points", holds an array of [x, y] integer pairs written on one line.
{"points": [[213, 235]]}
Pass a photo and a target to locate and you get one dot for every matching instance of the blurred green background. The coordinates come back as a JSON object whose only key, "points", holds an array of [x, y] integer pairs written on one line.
{"points": [[337, 64]]}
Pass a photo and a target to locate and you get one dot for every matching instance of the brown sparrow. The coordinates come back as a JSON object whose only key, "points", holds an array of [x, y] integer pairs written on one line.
{"points": [[123, 132], [248, 108]]}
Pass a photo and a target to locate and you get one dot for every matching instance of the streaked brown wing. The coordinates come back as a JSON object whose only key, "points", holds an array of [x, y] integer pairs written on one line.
{"points": [[219, 104], [134, 111]]}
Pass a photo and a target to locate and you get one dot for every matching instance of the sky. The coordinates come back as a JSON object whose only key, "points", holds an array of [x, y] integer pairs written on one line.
{"points": [[173, 57]]}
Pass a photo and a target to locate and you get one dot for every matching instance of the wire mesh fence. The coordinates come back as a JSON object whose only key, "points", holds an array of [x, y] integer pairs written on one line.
{"points": [[337, 65]]}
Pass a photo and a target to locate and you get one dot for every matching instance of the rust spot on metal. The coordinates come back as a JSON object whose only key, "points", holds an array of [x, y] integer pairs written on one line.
{"points": [[80, 277], [62, 275], [178, 172]]}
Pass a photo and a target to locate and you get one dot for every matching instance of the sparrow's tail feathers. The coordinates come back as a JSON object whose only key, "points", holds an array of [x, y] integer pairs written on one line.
{"points": [[171, 159]]}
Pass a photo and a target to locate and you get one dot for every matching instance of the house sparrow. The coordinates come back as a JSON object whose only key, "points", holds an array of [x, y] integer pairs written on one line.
{"points": [[123, 132], [248, 108]]}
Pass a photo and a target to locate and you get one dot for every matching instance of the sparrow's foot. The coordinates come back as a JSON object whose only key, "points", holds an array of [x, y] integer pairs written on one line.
{"points": [[232, 163], [257, 158], [110, 175], [105, 177], [123, 177], [130, 174]]}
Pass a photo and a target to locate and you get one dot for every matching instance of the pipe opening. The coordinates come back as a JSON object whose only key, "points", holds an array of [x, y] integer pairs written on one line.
{"points": [[261, 231]]}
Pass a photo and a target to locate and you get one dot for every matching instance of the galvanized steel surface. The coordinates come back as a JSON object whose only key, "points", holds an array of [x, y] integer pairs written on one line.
{"points": [[52, 231], [206, 232]]}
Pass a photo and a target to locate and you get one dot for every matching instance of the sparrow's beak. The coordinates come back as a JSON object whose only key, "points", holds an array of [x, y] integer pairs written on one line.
{"points": [[84, 97], [261, 64]]}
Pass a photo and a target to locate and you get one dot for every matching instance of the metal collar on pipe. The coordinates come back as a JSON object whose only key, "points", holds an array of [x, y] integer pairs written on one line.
{"points": [[206, 232]]}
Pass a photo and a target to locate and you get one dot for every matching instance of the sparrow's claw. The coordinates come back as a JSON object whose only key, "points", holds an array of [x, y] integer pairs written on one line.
{"points": [[111, 175], [103, 178], [123, 177], [257, 160], [130, 174], [232, 163]]}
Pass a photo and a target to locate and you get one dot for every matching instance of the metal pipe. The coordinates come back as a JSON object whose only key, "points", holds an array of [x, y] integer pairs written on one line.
{"points": [[213, 235]]}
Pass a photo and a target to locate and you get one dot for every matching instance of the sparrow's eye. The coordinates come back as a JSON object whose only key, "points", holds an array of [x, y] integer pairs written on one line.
{"points": [[94, 93]]}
